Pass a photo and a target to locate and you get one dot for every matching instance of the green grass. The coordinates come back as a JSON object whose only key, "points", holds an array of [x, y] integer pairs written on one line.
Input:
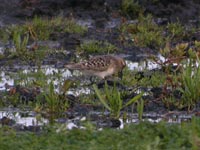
{"points": [[144, 33], [131, 8], [55, 104], [190, 84], [94, 46], [143, 136], [185, 78], [111, 99], [42, 28], [26, 55], [48, 100], [176, 31], [150, 79]]}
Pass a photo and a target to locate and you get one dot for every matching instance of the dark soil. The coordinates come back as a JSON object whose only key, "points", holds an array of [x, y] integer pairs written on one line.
{"points": [[104, 17], [100, 13]]}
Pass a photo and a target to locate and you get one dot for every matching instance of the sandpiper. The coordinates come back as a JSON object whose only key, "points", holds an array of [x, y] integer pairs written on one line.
{"points": [[100, 66]]}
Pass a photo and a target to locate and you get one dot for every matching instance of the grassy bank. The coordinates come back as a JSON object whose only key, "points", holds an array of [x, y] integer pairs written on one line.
{"points": [[144, 136]]}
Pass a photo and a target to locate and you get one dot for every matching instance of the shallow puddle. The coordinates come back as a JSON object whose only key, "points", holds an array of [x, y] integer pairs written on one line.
{"points": [[29, 118], [9, 75], [19, 117]]}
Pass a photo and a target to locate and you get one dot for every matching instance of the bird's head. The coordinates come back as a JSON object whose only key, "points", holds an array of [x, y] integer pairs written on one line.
{"points": [[120, 64]]}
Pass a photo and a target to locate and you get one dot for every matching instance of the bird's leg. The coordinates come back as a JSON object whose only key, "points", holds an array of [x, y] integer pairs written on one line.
{"points": [[92, 80], [102, 83]]}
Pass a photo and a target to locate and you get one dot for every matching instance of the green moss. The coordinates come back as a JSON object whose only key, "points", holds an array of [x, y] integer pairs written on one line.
{"points": [[72, 27], [94, 46], [146, 78], [131, 8], [144, 33], [176, 31]]}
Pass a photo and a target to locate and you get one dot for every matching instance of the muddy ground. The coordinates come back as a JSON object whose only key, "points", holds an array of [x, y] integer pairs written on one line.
{"points": [[103, 18]]}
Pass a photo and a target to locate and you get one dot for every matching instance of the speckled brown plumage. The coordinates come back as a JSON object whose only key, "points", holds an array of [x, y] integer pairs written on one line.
{"points": [[101, 66]]}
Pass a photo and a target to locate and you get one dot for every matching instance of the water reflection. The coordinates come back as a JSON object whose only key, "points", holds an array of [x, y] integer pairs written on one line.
{"points": [[9, 76], [30, 118]]}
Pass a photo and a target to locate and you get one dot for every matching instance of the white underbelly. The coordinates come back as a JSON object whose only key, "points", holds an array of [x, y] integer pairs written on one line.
{"points": [[105, 73]]}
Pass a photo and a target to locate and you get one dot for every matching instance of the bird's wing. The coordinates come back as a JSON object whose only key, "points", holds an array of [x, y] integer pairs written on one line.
{"points": [[97, 63]]}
